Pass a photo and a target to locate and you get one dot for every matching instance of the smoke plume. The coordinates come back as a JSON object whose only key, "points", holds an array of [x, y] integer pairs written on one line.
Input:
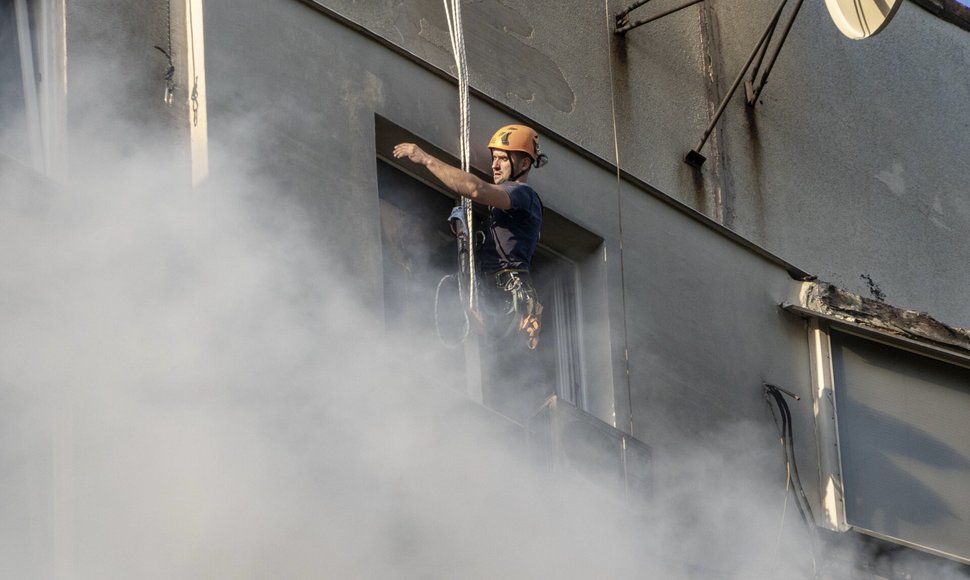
{"points": [[192, 388]]}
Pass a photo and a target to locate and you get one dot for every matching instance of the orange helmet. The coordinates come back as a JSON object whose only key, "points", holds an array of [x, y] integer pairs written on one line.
{"points": [[518, 138]]}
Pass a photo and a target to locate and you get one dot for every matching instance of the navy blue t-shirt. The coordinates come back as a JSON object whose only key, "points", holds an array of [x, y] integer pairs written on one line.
{"points": [[511, 235]]}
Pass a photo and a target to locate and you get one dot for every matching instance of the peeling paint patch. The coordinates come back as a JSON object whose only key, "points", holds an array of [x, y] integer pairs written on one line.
{"points": [[933, 209], [931, 206], [496, 42], [363, 95], [433, 34], [894, 179]]}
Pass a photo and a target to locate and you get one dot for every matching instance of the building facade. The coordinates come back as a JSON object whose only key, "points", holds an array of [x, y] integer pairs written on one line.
{"points": [[798, 260]]}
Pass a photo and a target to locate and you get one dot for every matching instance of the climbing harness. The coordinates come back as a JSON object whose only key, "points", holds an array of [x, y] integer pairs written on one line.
{"points": [[512, 305], [522, 306]]}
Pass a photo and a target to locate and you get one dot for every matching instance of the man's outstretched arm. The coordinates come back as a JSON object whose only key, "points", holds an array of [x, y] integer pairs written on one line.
{"points": [[461, 182]]}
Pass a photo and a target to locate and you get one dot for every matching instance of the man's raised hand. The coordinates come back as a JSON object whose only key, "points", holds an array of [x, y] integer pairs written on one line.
{"points": [[414, 153]]}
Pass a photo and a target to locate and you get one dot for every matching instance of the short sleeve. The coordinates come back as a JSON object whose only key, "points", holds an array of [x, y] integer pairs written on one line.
{"points": [[520, 195]]}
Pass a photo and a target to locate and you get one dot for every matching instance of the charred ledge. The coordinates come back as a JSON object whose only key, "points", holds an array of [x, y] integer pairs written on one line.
{"points": [[827, 301]]}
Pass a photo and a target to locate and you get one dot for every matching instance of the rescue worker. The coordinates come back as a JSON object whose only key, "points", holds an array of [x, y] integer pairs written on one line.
{"points": [[514, 221]]}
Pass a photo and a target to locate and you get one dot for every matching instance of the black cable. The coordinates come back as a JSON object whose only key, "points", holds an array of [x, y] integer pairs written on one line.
{"points": [[170, 71], [801, 500], [804, 507]]}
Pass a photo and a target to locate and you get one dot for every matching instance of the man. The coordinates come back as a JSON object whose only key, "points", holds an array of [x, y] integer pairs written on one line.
{"points": [[515, 216]]}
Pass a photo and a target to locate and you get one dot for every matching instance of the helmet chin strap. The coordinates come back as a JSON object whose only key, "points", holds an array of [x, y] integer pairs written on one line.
{"points": [[513, 175]]}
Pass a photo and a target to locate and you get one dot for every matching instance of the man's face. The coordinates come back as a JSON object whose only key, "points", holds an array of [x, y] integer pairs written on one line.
{"points": [[501, 166]]}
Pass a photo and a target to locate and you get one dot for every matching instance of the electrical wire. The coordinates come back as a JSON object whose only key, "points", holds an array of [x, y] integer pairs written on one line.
{"points": [[169, 77], [784, 512], [773, 394], [619, 219], [194, 95]]}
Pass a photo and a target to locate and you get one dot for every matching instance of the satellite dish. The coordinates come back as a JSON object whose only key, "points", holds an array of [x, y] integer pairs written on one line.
{"points": [[858, 19]]}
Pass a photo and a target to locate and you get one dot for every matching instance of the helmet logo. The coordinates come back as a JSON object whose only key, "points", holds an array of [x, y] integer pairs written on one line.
{"points": [[505, 138]]}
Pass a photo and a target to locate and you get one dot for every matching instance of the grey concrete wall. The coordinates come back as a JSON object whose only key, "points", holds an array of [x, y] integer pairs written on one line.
{"points": [[116, 81], [849, 166], [296, 92], [705, 329], [293, 95]]}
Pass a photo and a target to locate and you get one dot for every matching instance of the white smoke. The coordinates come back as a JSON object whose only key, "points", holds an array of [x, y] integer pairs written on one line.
{"points": [[192, 390], [228, 409]]}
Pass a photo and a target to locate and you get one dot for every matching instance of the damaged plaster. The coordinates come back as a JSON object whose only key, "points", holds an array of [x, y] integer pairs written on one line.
{"points": [[931, 206], [830, 300], [500, 51]]}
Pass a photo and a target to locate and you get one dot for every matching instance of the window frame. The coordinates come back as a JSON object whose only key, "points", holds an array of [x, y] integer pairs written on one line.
{"points": [[570, 243], [42, 46], [821, 327]]}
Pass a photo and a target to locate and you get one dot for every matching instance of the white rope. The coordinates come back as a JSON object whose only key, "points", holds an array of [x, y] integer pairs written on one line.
{"points": [[466, 326], [457, 36]]}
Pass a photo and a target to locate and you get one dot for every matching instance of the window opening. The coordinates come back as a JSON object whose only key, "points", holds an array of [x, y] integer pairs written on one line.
{"points": [[419, 249]]}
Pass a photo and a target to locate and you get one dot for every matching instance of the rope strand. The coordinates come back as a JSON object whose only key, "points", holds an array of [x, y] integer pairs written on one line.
{"points": [[457, 37]]}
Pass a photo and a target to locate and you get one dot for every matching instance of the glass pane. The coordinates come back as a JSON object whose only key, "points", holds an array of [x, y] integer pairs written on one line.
{"points": [[555, 280], [905, 443]]}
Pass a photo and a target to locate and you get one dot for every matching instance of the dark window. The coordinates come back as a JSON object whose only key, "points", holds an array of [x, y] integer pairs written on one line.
{"points": [[421, 300], [418, 251]]}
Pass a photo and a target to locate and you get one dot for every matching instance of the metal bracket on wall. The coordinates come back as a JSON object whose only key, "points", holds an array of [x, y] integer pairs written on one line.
{"points": [[623, 24], [754, 85]]}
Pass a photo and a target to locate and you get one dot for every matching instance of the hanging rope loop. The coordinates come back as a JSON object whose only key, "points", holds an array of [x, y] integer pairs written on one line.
{"points": [[467, 283]]}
